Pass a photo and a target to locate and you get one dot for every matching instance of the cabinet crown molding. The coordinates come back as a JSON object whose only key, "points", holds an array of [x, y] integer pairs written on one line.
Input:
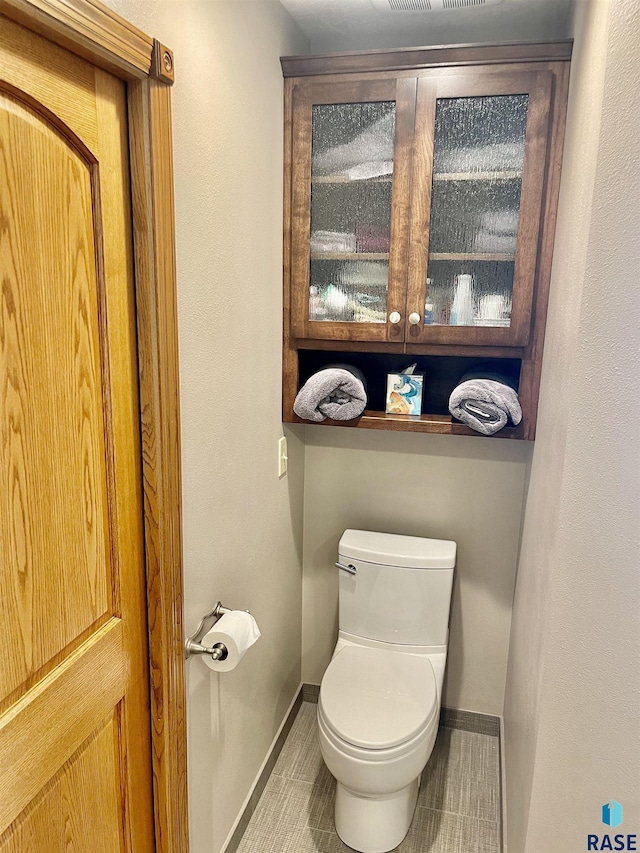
{"points": [[399, 59]]}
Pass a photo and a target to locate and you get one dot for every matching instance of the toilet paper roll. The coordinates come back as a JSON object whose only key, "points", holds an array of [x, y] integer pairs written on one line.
{"points": [[238, 631]]}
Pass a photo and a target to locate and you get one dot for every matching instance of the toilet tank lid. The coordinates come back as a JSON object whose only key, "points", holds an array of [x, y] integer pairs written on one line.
{"points": [[391, 549]]}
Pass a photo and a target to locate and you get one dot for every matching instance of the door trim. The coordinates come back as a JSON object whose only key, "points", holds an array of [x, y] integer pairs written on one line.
{"points": [[96, 33]]}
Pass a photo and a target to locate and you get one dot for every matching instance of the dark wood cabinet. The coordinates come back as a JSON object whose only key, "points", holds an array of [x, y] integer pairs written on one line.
{"points": [[350, 226], [420, 207]]}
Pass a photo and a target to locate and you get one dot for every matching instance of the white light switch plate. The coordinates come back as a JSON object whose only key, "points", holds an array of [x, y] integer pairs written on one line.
{"points": [[282, 457]]}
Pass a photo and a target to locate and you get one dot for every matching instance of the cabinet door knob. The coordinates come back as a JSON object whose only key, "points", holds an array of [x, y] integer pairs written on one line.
{"points": [[394, 317], [414, 318]]}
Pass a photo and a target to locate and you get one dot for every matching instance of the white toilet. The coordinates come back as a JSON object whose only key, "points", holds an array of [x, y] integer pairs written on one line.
{"points": [[380, 697]]}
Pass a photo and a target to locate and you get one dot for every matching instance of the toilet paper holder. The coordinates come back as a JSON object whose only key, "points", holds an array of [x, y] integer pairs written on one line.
{"points": [[193, 645]]}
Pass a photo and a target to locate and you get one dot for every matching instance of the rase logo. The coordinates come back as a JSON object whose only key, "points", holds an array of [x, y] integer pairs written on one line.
{"points": [[612, 816]]}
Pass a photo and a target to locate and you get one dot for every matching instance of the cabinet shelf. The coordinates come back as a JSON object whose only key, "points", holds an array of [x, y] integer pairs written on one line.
{"points": [[476, 176], [349, 256], [471, 256], [441, 424], [345, 179]]}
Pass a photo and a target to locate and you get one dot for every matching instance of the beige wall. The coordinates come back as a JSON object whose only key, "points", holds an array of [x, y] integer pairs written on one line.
{"points": [[573, 687], [242, 526], [466, 489], [544, 493], [243, 529], [362, 27]]}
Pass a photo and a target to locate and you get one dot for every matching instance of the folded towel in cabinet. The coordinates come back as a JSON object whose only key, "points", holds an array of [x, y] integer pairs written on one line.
{"points": [[374, 144], [363, 171], [488, 241], [335, 392], [485, 402], [332, 241], [498, 156], [500, 221]]}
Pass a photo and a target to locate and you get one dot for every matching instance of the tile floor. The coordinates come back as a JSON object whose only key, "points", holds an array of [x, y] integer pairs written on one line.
{"points": [[458, 806]]}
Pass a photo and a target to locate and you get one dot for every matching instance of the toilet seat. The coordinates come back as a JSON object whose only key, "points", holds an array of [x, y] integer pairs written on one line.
{"points": [[373, 756], [378, 700]]}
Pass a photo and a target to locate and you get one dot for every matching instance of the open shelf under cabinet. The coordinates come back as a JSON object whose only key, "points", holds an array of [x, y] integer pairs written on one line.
{"points": [[442, 373], [438, 424]]}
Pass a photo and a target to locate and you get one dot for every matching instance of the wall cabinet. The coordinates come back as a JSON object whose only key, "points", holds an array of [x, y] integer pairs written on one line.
{"points": [[420, 197]]}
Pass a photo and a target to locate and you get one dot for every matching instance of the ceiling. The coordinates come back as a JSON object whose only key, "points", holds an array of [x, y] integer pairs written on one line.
{"points": [[343, 25]]}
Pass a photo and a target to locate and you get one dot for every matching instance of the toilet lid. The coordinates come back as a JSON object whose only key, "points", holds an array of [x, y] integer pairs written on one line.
{"points": [[378, 699]]}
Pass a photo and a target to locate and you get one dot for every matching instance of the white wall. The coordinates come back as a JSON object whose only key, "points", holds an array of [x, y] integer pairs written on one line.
{"points": [[466, 489], [569, 735], [573, 688], [346, 25], [242, 526]]}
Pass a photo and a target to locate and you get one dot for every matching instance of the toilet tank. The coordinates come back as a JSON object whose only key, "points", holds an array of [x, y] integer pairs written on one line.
{"points": [[401, 592]]}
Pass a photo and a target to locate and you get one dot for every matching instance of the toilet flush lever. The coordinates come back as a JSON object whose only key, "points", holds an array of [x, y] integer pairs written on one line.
{"points": [[349, 569]]}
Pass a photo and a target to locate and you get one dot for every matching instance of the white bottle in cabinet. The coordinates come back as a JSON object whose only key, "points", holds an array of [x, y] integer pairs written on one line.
{"points": [[462, 312]]}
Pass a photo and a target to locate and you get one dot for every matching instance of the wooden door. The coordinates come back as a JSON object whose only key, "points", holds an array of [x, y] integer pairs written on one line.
{"points": [[75, 763], [351, 173], [477, 190]]}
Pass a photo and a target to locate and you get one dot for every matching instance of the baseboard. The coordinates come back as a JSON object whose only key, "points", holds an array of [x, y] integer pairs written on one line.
{"points": [[310, 692], [470, 721], [503, 789], [237, 831]]}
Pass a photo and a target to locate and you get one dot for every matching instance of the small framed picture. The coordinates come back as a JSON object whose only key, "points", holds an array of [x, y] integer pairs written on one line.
{"points": [[404, 393]]}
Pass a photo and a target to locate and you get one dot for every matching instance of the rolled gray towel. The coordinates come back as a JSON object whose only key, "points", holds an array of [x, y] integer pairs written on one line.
{"points": [[485, 403], [333, 393]]}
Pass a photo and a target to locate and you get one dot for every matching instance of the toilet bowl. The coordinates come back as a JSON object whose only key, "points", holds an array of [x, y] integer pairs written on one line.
{"points": [[379, 701], [378, 715]]}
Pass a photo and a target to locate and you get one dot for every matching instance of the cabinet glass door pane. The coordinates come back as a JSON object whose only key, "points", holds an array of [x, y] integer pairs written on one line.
{"points": [[475, 206], [351, 178]]}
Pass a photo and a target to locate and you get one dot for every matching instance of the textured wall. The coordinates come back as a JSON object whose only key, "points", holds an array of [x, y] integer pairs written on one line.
{"points": [[336, 25], [545, 487], [466, 489], [572, 699], [242, 526]]}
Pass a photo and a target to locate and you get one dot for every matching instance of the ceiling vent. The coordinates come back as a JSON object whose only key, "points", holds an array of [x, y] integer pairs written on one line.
{"points": [[430, 5], [410, 5]]}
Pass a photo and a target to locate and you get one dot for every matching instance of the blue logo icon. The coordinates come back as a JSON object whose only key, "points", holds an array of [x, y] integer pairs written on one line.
{"points": [[612, 814]]}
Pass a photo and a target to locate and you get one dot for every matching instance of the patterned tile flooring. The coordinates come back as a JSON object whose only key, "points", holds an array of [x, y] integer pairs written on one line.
{"points": [[458, 806]]}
